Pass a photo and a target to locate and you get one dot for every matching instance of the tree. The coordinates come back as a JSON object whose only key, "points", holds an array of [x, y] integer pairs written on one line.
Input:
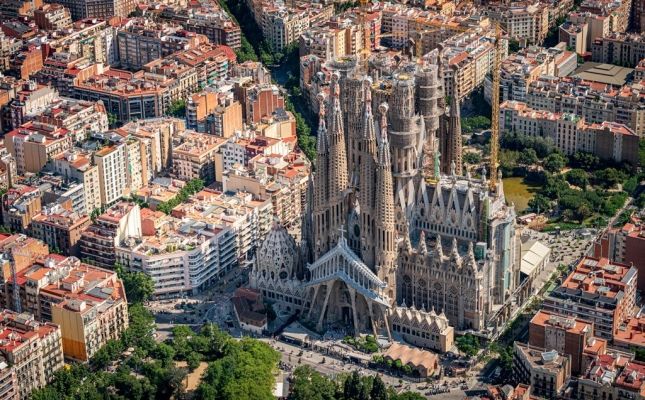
{"points": [[468, 344], [578, 177], [307, 384], [539, 204], [609, 177], [177, 108], [139, 286], [513, 46], [113, 120], [472, 158], [352, 386], [554, 162], [527, 157], [193, 359], [379, 390]]}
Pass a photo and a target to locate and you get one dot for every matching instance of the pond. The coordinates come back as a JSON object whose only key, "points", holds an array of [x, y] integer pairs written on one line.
{"points": [[519, 192]]}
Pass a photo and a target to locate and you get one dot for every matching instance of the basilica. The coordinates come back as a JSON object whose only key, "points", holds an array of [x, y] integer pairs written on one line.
{"points": [[396, 237]]}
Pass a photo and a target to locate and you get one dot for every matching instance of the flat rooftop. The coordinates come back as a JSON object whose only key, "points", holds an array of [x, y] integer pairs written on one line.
{"points": [[603, 73]]}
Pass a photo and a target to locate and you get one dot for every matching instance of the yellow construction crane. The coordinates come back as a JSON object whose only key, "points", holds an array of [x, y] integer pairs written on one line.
{"points": [[494, 127], [367, 46]]}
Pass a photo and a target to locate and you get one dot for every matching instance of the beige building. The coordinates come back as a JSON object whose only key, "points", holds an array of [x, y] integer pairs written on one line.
{"points": [[35, 143], [526, 22], [60, 229], [226, 119], [52, 17], [88, 303], [546, 371], [33, 351], [157, 135], [193, 156], [198, 107], [20, 205]]}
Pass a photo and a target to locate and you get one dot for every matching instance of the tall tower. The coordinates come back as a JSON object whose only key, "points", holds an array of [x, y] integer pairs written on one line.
{"points": [[352, 103], [337, 177], [450, 136], [320, 186], [406, 133], [428, 95], [385, 227], [330, 179], [366, 164]]}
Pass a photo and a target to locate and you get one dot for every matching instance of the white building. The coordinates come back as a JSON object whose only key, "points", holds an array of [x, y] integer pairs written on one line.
{"points": [[187, 258], [111, 162]]}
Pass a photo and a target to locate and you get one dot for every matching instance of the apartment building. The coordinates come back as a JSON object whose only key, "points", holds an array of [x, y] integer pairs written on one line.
{"points": [[129, 95], [51, 17], [612, 376], [343, 35], [76, 165], [626, 245], [161, 190], [618, 12], [29, 101], [599, 291], [119, 223], [212, 63], [468, 58], [194, 156], [566, 335], [80, 117], [87, 40], [20, 205], [157, 136], [87, 302], [101, 9], [597, 26], [518, 70], [23, 251], [113, 173], [206, 18], [226, 119], [526, 21], [249, 219], [593, 101], [546, 371], [282, 180], [261, 101], [26, 62], [282, 25], [575, 36], [625, 49], [181, 256], [401, 23], [199, 106], [60, 229], [19, 8], [143, 40], [32, 352]]}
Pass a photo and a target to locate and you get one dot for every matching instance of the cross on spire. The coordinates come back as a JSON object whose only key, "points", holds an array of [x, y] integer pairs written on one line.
{"points": [[342, 231]]}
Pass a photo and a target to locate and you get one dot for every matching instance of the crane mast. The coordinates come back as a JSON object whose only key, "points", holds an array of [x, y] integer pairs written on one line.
{"points": [[494, 128]]}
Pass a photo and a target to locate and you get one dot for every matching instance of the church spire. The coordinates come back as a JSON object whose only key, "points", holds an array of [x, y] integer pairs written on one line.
{"points": [[366, 159], [320, 186], [385, 231], [337, 155]]}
